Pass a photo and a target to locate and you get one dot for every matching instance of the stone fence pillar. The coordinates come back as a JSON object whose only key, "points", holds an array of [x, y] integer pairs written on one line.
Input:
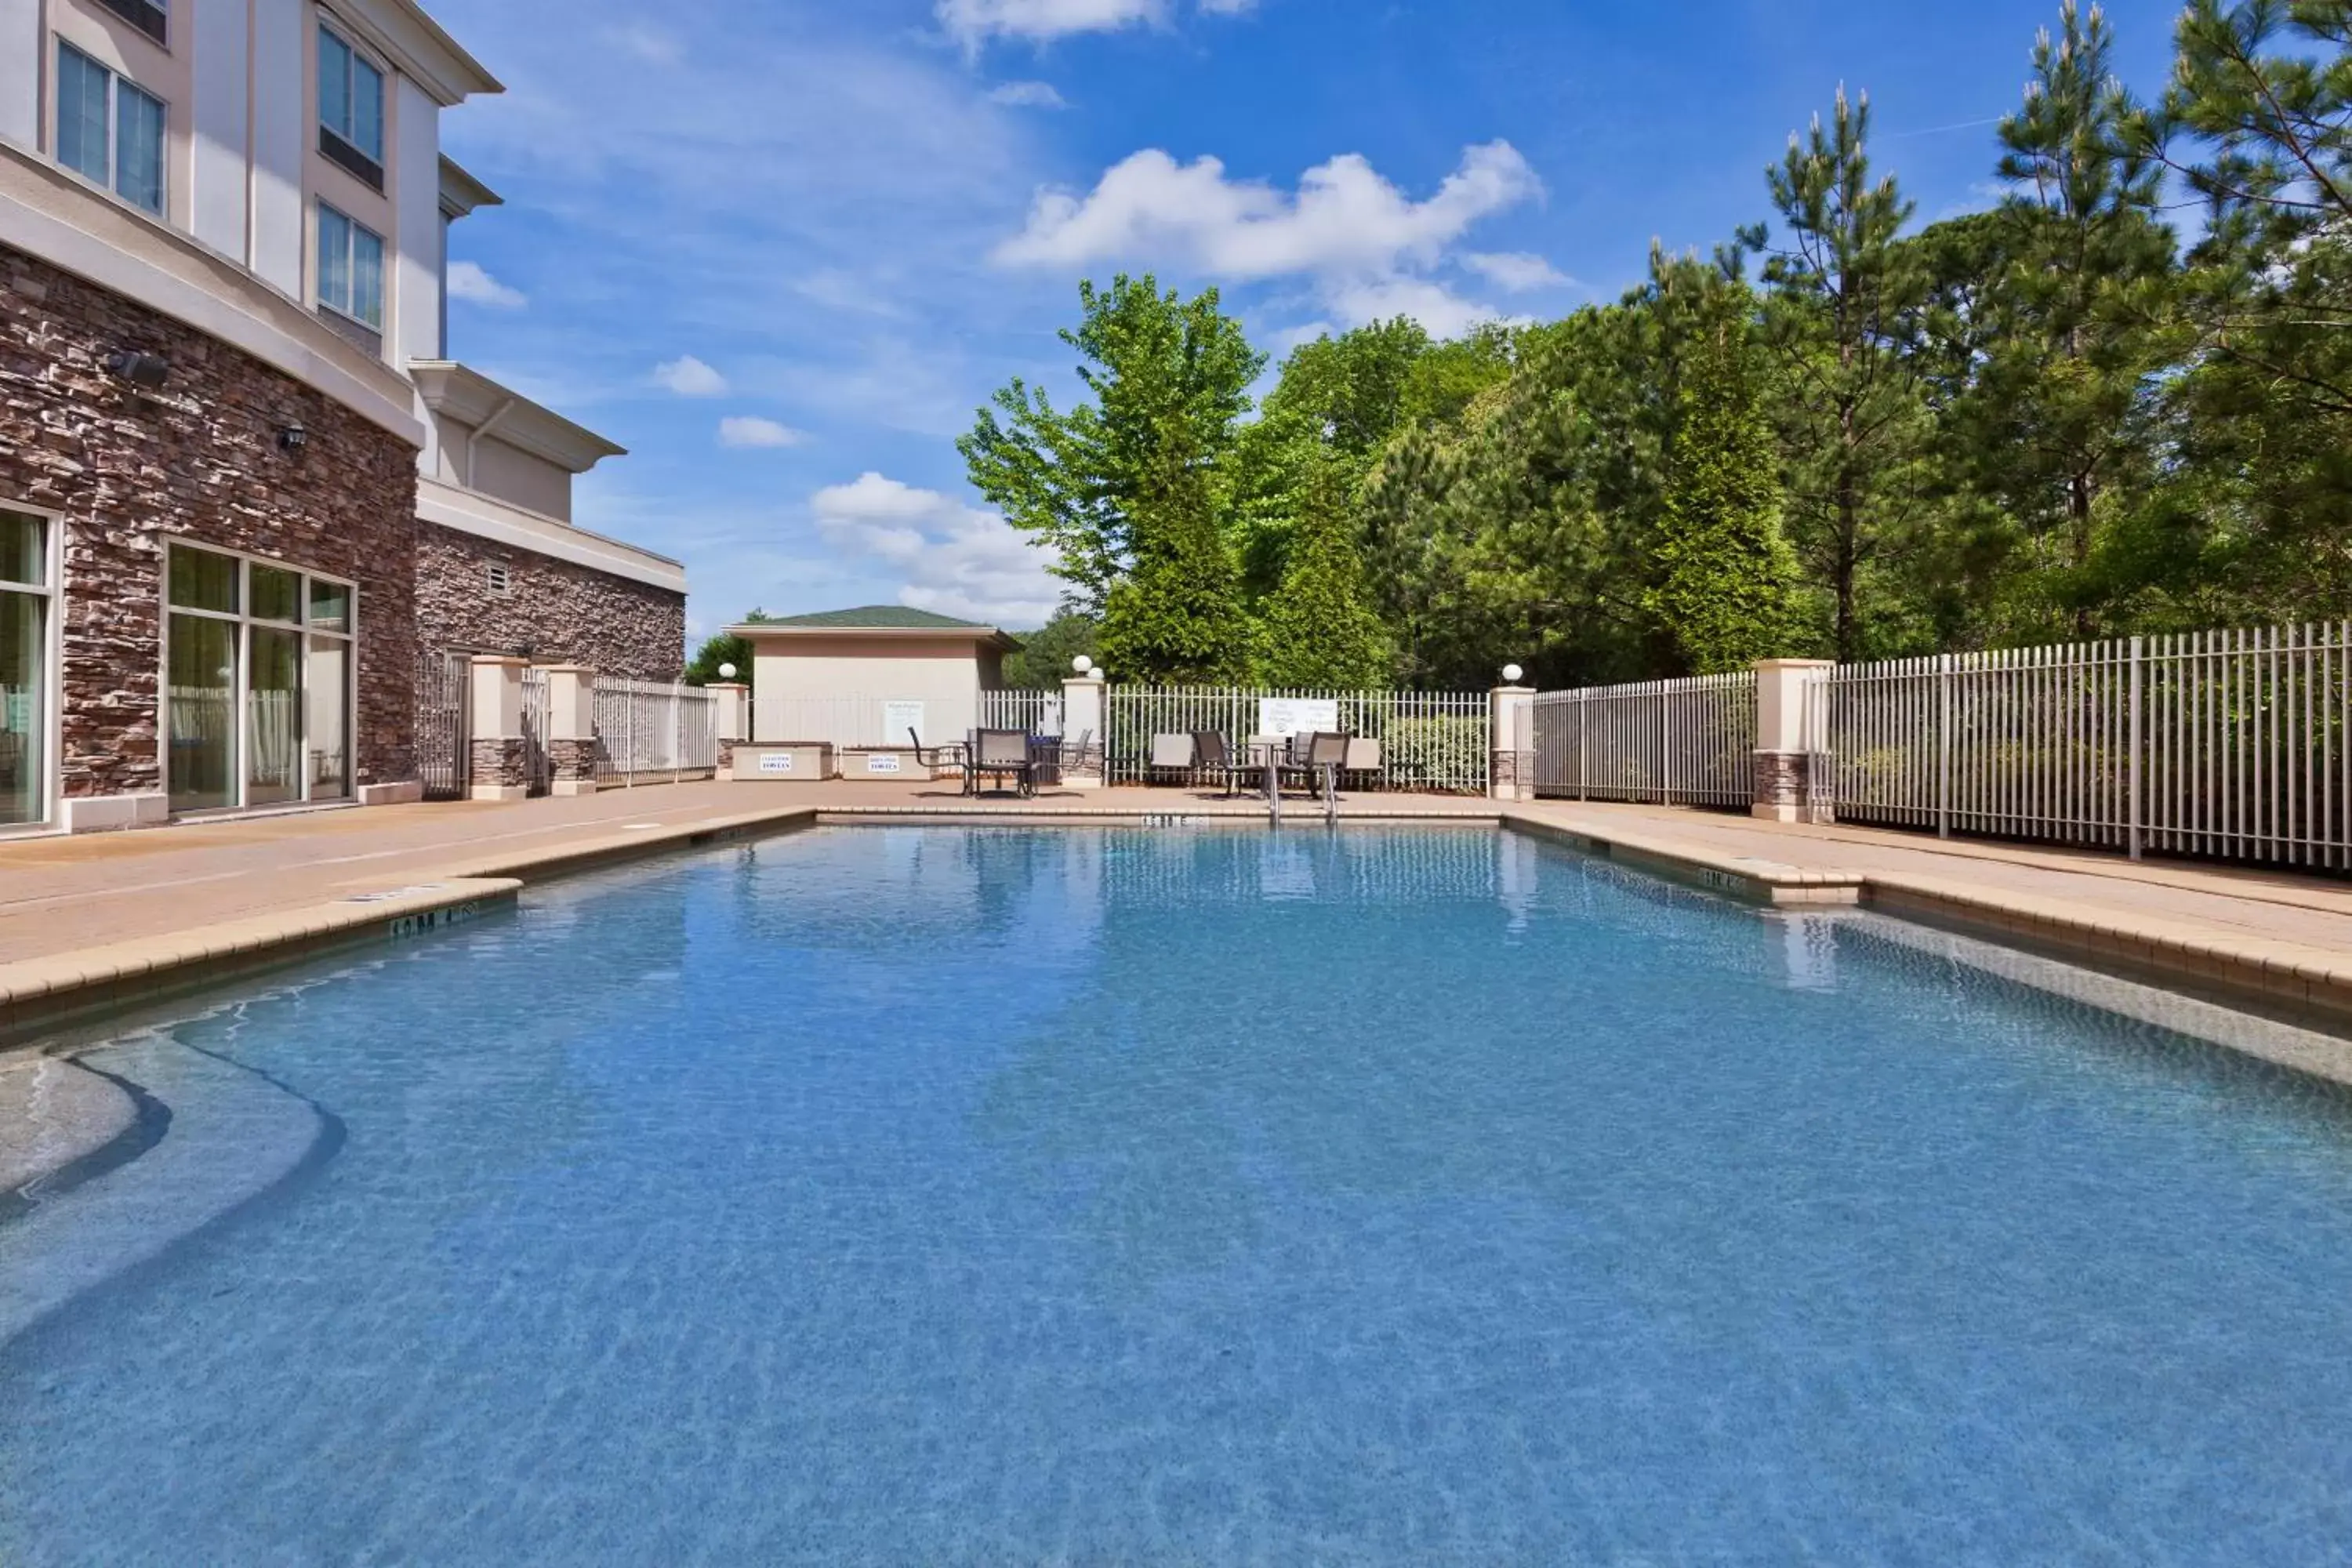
{"points": [[1085, 713], [1784, 756], [572, 729], [494, 747], [1511, 722]]}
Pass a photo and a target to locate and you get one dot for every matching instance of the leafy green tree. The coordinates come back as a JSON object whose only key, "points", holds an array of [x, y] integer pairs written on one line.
{"points": [[1840, 289], [1176, 617], [1170, 380], [1726, 572], [1042, 662], [724, 648], [1320, 630]]}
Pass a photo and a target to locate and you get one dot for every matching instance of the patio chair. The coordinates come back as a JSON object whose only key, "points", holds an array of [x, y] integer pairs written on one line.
{"points": [[952, 755], [1170, 755], [1319, 761], [1211, 755], [1004, 754]]}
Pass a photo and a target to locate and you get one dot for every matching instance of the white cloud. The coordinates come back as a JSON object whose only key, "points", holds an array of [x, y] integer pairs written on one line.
{"points": [[1517, 271], [648, 44], [953, 559], [1028, 95], [1364, 241], [467, 281], [690, 377], [974, 22], [1437, 308], [750, 430]]}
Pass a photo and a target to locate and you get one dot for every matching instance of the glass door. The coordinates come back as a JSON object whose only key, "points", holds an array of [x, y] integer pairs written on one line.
{"points": [[24, 669], [259, 663]]}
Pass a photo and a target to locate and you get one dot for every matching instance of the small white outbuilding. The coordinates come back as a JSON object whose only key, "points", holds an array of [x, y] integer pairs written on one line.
{"points": [[867, 676]]}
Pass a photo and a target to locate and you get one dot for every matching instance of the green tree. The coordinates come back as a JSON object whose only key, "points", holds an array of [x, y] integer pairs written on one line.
{"points": [[1726, 571], [724, 648], [1042, 662], [1170, 380], [1320, 630], [1176, 617], [1850, 412]]}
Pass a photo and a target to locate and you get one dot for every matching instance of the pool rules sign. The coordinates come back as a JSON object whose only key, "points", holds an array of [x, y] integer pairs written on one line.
{"points": [[1288, 716]]}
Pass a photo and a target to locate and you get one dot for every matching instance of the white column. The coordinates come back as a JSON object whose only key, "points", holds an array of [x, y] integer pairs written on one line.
{"points": [[21, 55], [1783, 750], [1083, 712], [219, 187], [496, 743], [572, 729], [282, 44], [416, 279], [1511, 757], [731, 711]]}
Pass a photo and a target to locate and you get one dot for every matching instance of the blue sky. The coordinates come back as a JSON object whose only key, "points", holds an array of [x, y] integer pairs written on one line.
{"points": [[782, 251]]}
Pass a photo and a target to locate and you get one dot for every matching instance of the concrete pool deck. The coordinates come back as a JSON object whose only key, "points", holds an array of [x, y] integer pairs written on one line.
{"points": [[98, 923]]}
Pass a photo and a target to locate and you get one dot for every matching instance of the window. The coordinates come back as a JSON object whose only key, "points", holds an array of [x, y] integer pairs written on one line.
{"points": [[498, 580], [23, 669], [109, 131], [147, 15], [351, 268], [351, 109], [257, 662]]}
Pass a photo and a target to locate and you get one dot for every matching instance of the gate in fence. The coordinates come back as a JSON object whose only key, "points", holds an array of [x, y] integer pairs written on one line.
{"points": [[445, 687], [2230, 745], [1690, 741], [538, 772], [1435, 740]]}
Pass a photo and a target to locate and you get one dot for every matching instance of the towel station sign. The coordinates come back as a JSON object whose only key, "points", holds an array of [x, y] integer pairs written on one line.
{"points": [[901, 721], [1288, 716]]}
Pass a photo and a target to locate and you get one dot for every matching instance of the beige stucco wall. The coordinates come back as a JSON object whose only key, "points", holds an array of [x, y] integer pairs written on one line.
{"points": [[943, 674], [517, 478]]}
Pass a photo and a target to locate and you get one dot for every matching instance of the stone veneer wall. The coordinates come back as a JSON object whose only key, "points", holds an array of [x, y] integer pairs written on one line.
{"points": [[198, 461], [563, 613]]}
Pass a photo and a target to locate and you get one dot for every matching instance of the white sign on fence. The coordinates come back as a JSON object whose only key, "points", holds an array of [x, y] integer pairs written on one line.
{"points": [[899, 717], [775, 762], [1288, 716], [884, 763]]}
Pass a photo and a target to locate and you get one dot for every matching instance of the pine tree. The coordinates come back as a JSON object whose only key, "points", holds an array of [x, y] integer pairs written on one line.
{"points": [[1320, 630], [1176, 617], [1726, 571]]}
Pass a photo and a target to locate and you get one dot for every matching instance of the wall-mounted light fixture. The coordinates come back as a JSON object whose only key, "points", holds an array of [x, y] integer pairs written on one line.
{"points": [[146, 372], [292, 437]]}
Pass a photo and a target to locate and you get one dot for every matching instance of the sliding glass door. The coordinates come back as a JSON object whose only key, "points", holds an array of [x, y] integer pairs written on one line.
{"points": [[258, 701], [25, 610]]}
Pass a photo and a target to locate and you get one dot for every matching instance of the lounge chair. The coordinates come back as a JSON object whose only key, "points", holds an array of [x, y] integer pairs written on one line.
{"points": [[1170, 754], [1004, 754]]}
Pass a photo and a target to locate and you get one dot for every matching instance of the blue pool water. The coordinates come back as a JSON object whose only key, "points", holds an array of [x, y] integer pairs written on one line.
{"points": [[935, 1195]]}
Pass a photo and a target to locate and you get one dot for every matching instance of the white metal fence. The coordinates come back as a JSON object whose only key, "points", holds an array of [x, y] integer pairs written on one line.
{"points": [[2230, 745], [860, 721], [1033, 712], [1429, 740], [1690, 741], [652, 731]]}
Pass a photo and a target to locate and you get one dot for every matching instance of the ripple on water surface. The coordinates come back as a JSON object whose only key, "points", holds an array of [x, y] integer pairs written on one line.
{"points": [[991, 1194]]}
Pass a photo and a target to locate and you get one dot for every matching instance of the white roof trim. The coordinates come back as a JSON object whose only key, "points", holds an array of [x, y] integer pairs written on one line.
{"points": [[417, 46], [468, 397], [486, 516]]}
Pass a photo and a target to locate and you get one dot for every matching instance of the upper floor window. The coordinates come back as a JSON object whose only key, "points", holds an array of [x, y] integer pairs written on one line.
{"points": [[351, 268], [350, 108], [147, 15], [109, 131]]}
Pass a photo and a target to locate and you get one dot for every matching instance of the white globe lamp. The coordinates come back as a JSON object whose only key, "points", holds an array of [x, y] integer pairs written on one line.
{"points": [[1082, 664], [1511, 674], [726, 672]]}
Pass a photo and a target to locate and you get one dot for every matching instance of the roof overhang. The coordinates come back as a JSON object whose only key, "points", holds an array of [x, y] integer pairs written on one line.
{"points": [[461, 193], [472, 398], [416, 44], [768, 631]]}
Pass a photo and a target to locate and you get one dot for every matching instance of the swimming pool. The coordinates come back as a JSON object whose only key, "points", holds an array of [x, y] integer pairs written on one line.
{"points": [[1002, 1195]]}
